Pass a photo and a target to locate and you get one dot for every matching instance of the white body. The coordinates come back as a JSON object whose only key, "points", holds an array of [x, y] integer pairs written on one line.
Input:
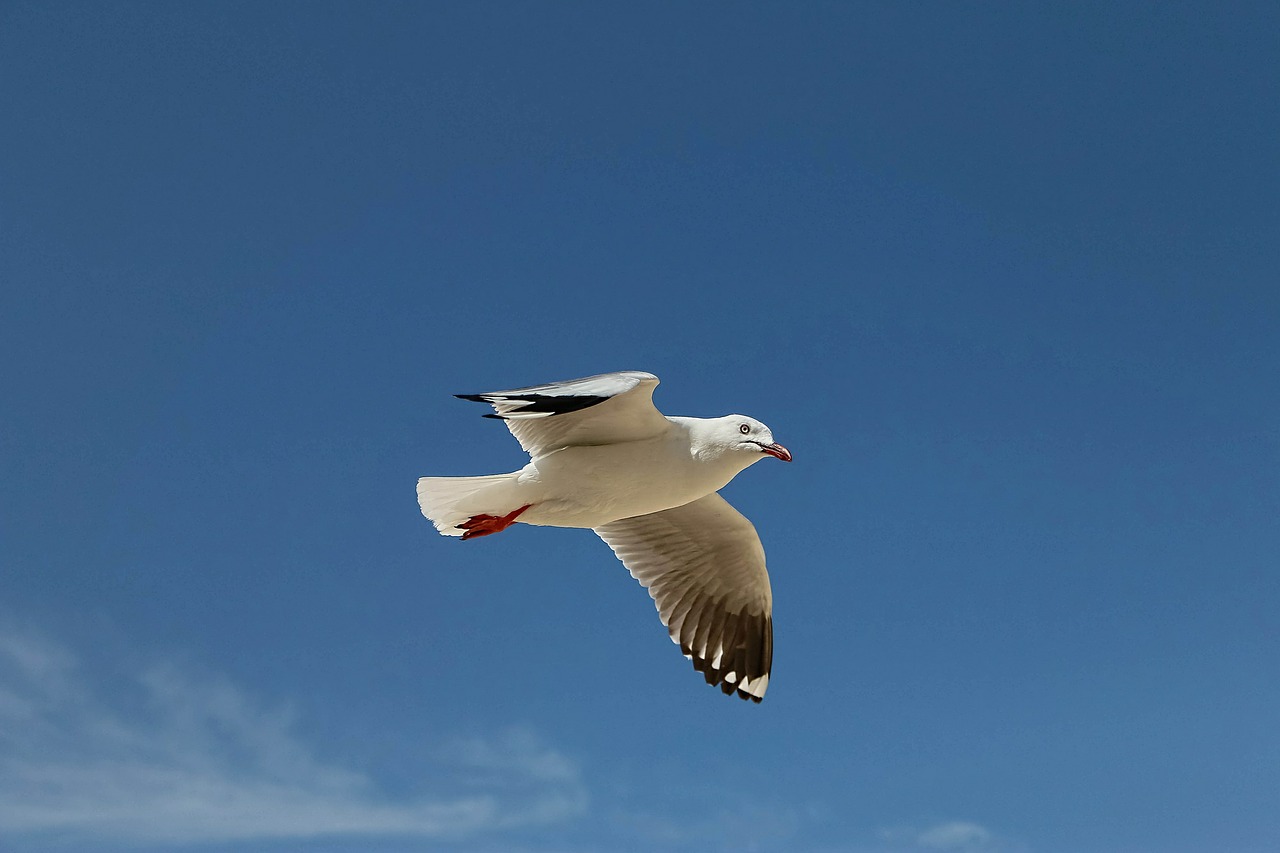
{"points": [[592, 486]]}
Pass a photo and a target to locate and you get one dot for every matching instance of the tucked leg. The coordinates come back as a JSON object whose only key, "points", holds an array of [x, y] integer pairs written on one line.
{"points": [[483, 525]]}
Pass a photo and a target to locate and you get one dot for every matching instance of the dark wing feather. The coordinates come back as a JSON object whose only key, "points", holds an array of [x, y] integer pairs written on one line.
{"points": [[704, 568]]}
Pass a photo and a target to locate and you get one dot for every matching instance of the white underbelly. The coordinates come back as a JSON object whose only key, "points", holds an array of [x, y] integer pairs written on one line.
{"points": [[592, 486]]}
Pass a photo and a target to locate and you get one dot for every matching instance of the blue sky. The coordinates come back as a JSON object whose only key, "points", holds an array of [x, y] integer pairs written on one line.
{"points": [[1004, 278]]}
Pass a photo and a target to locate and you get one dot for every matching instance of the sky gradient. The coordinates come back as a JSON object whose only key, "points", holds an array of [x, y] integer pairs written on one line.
{"points": [[1004, 278]]}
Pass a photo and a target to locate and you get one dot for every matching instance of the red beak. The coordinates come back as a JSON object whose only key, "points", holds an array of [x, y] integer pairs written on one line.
{"points": [[777, 450]]}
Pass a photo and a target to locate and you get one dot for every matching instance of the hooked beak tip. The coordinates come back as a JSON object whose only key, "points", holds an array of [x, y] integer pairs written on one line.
{"points": [[777, 450]]}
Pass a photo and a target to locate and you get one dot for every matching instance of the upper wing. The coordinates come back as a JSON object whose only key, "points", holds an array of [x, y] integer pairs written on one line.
{"points": [[704, 568], [604, 409]]}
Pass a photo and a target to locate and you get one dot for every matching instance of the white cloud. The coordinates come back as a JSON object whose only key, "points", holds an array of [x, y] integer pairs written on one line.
{"points": [[178, 760], [957, 835]]}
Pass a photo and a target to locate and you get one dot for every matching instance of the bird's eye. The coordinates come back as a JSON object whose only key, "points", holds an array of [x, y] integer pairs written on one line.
{"points": [[744, 429]]}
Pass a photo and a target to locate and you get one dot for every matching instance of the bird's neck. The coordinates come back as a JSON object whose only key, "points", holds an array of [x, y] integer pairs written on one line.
{"points": [[706, 450]]}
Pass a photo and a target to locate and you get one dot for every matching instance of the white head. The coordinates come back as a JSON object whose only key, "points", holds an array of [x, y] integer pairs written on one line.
{"points": [[744, 437]]}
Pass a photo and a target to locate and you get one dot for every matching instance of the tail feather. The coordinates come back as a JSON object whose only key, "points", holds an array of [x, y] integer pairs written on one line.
{"points": [[449, 501]]}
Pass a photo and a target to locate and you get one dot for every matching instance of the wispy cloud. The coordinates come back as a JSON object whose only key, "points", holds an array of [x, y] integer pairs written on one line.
{"points": [[173, 759], [962, 836]]}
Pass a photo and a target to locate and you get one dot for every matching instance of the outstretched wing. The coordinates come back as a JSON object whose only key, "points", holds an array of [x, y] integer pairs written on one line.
{"points": [[606, 409], [703, 565]]}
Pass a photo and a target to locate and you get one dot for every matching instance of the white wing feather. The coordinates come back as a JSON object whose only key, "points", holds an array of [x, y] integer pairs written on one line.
{"points": [[609, 408]]}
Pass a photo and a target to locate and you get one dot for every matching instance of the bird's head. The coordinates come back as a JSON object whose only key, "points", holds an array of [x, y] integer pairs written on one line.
{"points": [[747, 435]]}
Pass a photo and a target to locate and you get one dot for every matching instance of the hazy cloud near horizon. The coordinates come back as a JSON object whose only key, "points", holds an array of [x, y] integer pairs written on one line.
{"points": [[155, 753], [163, 756]]}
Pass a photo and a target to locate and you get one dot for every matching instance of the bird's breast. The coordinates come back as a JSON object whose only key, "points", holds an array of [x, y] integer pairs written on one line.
{"points": [[592, 486]]}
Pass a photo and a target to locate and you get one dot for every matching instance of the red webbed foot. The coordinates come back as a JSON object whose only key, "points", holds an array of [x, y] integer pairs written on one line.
{"points": [[483, 525]]}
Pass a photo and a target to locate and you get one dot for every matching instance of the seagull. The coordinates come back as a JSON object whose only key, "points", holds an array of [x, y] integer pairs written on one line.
{"points": [[604, 458]]}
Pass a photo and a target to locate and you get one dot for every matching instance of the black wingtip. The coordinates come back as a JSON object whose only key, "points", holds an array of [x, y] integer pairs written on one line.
{"points": [[716, 677], [475, 398]]}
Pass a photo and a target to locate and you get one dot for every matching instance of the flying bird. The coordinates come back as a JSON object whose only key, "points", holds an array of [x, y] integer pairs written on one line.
{"points": [[603, 457]]}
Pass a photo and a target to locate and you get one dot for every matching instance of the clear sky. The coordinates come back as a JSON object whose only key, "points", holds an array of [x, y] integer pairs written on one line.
{"points": [[1005, 278]]}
